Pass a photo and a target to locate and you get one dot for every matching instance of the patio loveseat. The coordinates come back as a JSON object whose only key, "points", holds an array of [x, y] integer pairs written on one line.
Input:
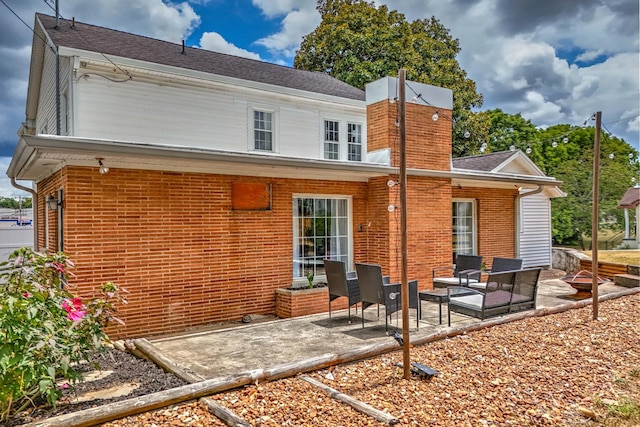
{"points": [[506, 292]]}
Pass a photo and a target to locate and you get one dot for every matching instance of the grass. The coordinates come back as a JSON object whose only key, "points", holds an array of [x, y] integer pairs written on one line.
{"points": [[624, 411], [627, 256]]}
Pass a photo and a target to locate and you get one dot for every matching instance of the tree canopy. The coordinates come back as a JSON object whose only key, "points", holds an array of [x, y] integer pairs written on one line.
{"points": [[566, 152], [358, 43], [15, 203]]}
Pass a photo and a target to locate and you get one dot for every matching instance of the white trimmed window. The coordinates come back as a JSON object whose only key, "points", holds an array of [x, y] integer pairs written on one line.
{"points": [[263, 130], [464, 227], [354, 142], [320, 230], [331, 139]]}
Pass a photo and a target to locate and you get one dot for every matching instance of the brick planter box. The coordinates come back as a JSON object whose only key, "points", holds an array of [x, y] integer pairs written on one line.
{"points": [[304, 301]]}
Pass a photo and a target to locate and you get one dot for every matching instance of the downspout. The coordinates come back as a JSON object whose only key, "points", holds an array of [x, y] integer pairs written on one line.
{"points": [[519, 214], [34, 207]]}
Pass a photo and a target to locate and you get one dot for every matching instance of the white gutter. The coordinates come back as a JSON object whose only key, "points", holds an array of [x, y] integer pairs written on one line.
{"points": [[31, 146], [34, 208]]}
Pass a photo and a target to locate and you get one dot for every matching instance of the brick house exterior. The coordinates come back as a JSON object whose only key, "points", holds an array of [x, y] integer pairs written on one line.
{"points": [[165, 222]]}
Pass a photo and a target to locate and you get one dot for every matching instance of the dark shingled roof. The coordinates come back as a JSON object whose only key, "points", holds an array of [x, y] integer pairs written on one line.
{"points": [[631, 199], [483, 162], [112, 42]]}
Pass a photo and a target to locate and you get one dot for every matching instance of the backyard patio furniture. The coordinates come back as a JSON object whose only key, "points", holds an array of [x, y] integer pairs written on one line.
{"points": [[342, 283], [506, 292], [498, 265], [374, 290], [440, 296], [465, 271]]}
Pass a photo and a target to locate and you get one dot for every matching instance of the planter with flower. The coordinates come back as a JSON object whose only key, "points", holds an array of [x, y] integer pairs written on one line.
{"points": [[46, 329], [296, 301]]}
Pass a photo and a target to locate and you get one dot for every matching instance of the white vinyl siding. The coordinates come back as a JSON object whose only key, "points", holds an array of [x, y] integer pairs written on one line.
{"points": [[46, 117], [535, 231], [217, 117]]}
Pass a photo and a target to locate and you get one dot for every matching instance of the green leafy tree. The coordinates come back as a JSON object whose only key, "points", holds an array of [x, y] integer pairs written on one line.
{"points": [[566, 152], [15, 203], [358, 43]]}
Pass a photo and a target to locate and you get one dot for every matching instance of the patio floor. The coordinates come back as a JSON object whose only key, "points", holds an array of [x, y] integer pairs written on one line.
{"points": [[218, 352]]}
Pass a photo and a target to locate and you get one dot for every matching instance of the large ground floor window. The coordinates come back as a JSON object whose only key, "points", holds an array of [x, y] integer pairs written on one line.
{"points": [[464, 227], [320, 230]]}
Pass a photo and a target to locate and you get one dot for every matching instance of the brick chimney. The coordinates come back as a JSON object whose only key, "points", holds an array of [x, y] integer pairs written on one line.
{"points": [[428, 142]]}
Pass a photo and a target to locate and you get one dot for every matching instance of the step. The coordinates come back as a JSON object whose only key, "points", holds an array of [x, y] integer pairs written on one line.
{"points": [[627, 280]]}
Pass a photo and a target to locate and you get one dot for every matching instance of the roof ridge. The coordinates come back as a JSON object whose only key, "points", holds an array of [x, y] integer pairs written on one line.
{"points": [[108, 41]]}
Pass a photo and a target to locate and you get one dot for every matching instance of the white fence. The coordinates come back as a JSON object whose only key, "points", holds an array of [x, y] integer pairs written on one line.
{"points": [[12, 238]]}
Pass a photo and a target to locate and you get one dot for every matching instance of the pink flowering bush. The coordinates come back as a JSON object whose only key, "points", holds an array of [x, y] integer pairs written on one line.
{"points": [[46, 328]]}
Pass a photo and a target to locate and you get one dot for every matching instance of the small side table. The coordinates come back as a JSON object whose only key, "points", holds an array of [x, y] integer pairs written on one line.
{"points": [[439, 295]]}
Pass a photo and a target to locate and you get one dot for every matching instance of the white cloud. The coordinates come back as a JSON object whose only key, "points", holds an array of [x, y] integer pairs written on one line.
{"points": [[589, 55], [295, 25], [214, 41], [274, 8], [537, 109], [154, 18], [6, 189]]}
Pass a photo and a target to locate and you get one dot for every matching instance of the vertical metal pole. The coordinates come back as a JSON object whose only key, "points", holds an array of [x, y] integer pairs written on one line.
{"points": [[403, 224], [595, 216]]}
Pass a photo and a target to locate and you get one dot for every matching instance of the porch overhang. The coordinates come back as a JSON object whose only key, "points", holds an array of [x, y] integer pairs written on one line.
{"points": [[39, 156]]}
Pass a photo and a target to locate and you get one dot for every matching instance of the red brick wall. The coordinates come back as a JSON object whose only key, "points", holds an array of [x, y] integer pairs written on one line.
{"points": [[48, 219], [495, 210], [306, 302], [173, 241]]}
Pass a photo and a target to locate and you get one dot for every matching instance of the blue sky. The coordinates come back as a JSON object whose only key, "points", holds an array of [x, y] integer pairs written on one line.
{"points": [[552, 61]]}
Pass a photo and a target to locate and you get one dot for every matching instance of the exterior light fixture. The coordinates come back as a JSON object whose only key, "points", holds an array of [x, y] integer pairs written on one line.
{"points": [[528, 150], [52, 203], [467, 134], [435, 117], [512, 148], [103, 169]]}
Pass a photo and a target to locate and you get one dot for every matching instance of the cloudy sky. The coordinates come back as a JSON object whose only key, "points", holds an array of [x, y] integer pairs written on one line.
{"points": [[553, 61]]}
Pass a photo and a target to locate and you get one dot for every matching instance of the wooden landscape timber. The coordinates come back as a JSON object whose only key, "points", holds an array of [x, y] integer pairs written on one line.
{"points": [[354, 403], [125, 408]]}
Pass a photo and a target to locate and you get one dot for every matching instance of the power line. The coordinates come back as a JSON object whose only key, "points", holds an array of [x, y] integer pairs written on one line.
{"points": [[27, 25]]}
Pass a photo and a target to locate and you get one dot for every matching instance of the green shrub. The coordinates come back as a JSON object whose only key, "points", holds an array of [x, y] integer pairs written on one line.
{"points": [[46, 329]]}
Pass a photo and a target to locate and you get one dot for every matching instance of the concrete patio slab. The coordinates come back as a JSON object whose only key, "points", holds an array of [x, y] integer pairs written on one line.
{"points": [[215, 353]]}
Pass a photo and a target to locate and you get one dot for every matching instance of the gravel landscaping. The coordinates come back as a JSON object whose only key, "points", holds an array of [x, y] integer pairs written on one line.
{"points": [[559, 370]]}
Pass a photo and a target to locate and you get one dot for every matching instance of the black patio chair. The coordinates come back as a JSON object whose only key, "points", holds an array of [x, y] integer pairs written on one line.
{"points": [[342, 283], [525, 290], [498, 265], [466, 271], [374, 290]]}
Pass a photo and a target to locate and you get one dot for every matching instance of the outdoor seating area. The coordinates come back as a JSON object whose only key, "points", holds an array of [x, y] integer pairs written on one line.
{"points": [[505, 292], [368, 287], [508, 289], [466, 270]]}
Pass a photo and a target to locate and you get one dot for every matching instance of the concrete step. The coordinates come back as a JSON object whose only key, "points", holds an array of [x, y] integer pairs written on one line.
{"points": [[627, 280]]}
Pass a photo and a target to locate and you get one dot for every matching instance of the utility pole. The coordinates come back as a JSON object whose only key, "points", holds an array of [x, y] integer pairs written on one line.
{"points": [[404, 290], [595, 217]]}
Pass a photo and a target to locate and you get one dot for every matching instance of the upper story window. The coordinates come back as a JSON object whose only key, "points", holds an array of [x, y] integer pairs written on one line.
{"points": [[331, 140], [354, 141], [263, 130]]}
